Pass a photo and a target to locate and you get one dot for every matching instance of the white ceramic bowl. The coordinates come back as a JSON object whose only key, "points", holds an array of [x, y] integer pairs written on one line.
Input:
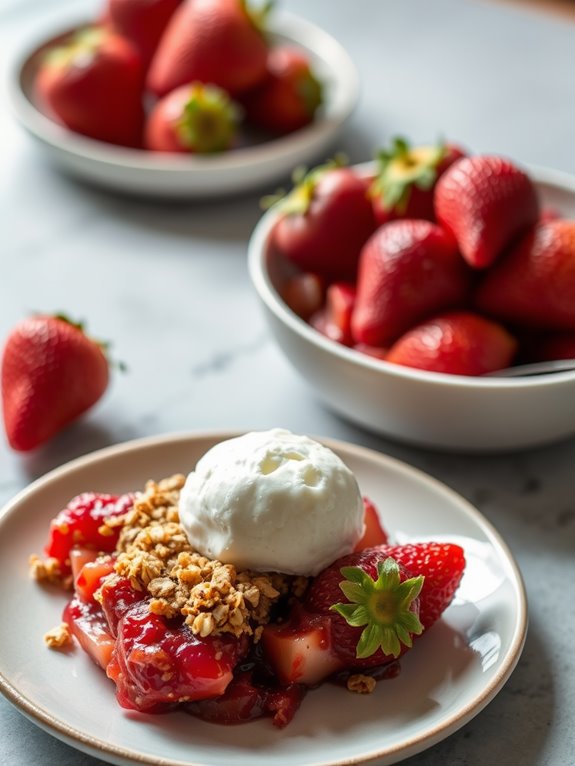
{"points": [[429, 409], [162, 175]]}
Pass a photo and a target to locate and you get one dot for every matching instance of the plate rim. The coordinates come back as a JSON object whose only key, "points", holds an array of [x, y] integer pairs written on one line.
{"points": [[416, 743]]}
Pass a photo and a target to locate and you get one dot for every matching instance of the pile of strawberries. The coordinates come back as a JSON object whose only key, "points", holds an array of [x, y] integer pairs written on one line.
{"points": [[190, 76], [439, 261]]}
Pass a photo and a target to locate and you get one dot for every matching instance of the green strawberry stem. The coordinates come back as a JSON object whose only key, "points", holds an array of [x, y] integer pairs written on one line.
{"points": [[259, 16], [209, 119], [104, 345], [298, 200], [383, 605], [401, 168]]}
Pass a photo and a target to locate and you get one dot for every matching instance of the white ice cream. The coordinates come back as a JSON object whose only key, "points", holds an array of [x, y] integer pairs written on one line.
{"points": [[272, 501]]}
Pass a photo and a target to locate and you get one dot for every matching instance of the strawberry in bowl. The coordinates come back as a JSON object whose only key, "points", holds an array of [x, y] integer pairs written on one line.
{"points": [[231, 593], [403, 302]]}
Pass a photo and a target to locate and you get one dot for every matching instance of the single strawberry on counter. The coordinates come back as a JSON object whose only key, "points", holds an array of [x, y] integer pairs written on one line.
{"points": [[408, 270], [93, 84], [533, 285], [141, 21], [289, 96], [406, 178], [195, 119], [485, 202], [458, 343], [51, 373], [214, 41], [325, 221]]}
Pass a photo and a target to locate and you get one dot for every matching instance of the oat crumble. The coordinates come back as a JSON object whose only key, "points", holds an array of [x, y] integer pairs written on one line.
{"points": [[154, 553], [361, 684], [58, 637]]}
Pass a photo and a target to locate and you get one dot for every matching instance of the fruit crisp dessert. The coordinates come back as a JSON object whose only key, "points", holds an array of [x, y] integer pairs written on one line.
{"points": [[230, 593]]}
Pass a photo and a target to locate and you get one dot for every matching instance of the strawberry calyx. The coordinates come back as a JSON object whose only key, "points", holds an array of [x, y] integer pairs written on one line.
{"points": [[383, 605], [401, 168], [258, 16], [298, 200], [209, 119], [77, 49], [103, 345], [310, 90]]}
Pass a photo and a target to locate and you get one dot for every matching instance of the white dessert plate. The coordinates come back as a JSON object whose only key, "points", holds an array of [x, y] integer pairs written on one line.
{"points": [[449, 676], [153, 174]]}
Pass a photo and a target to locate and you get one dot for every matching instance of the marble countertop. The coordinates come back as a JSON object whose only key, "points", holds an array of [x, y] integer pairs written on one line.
{"points": [[168, 283]]}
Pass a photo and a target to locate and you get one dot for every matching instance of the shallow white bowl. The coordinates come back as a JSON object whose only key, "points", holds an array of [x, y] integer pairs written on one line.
{"points": [[162, 175], [429, 409]]}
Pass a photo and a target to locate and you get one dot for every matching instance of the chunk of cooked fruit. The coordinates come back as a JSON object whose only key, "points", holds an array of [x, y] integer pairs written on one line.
{"points": [[82, 522], [157, 663], [245, 700], [90, 577], [374, 533], [300, 650], [116, 597], [88, 625]]}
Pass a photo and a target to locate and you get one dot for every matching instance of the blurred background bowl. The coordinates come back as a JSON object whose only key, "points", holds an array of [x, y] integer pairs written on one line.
{"points": [[150, 174], [450, 412]]}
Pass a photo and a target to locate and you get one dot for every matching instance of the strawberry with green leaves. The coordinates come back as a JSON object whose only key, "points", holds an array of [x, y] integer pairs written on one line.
{"points": [[406, 178], [51, 372], [391, 594]]}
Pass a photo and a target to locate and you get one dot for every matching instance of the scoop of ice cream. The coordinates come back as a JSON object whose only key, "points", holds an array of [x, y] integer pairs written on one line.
{"points": [[272, 501]]}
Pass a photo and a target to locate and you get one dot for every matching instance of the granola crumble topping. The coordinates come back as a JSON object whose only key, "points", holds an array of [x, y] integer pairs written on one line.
{"points": [[361, 684], [154, 553], [58, 637]]}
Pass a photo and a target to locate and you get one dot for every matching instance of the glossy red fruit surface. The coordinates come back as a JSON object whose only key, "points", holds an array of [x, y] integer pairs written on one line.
{"points": [[210, 41], [458, 343], [244, 700], [52, 372], [374, 533], [142, 22], [533, 285], [156, 664], [485, 202], [93, 84], [88, 626], [324, 223], [90, 577], [289, 97], [441, 564], [334, 319], [80, 523], [407, 271]]}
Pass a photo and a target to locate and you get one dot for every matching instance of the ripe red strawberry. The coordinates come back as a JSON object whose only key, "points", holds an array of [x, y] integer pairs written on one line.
{"points": [[304, 294], [459, 343], [93, 85], [289, 96], [485, 202], [195, 118], [385, 588], [325, 221], [534, 284], [213, 41], [142, 22], [407, 271], [406, 178], [52, 372], [334, 319]]}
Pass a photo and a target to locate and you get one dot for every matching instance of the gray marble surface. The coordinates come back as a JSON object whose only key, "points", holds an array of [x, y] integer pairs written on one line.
{"points": [[168, 283]]}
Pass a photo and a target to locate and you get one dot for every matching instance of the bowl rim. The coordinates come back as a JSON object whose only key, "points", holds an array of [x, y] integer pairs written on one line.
{"points": [[257, 252], [283, 25]]}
